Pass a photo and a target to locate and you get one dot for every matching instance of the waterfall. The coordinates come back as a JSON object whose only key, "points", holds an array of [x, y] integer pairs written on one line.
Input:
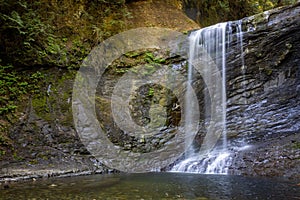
{"points": [[214, 41], [188, 108]]}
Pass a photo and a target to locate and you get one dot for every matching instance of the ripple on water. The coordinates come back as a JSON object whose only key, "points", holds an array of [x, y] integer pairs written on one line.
{"points": [[154, 186]]}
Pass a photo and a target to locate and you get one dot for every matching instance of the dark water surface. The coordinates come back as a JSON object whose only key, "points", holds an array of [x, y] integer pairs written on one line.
{"points": [[154, 186]]}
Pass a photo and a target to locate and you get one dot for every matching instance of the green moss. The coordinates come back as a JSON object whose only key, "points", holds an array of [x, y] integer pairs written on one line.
{"points": [[56, 104], [260, 18], [17, 157], [296, 145], [2, 153], [151, 59], [150, 92], [40, 105], [268, 71], [121, 70], [33, 162], [14, 86], [133, 54], [5, 143]]}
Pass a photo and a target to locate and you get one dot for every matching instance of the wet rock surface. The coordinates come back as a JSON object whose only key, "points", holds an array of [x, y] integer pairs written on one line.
{"points": [[142, 112], [264, 96], [44, 141], [276, 156]]}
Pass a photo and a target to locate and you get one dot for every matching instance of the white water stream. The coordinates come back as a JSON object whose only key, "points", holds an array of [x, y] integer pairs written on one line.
{"points": [[214, 41]]}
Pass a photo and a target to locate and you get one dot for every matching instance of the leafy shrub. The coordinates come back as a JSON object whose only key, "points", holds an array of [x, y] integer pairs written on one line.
{"points": [[13, 85], [23, 33], [210, 12]]}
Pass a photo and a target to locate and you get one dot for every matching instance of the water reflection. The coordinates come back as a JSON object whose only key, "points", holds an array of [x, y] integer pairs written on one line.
{"points": [[154, 186]]}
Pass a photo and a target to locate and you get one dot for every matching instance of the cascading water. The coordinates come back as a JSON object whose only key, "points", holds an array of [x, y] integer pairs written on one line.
{"points": [[214, 41]]}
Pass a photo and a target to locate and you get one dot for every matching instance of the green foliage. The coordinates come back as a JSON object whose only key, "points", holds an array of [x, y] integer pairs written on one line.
{"points": [[13, 85], [23, 32], [151, 92], [56, 33], [213, 11], [28, 39], [150, 58], [9, 89], [121, 70], [112, 23]]}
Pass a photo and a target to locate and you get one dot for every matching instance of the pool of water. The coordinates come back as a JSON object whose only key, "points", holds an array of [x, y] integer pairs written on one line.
{"points": [[154, 186]]}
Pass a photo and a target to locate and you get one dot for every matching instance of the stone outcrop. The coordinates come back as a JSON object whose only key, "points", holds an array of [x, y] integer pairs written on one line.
{"points": [[264, 94]]}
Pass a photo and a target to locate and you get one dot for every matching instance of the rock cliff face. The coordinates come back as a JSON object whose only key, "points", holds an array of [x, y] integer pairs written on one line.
{"points": [[263, 107], [264, 94]]}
